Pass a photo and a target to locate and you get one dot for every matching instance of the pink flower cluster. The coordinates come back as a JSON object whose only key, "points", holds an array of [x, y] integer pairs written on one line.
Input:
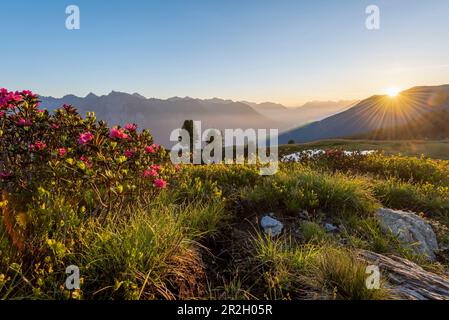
{"points": [[129, 153], [24, 123], [62, 152], [28, 93], [160, 183], [8, 98], [116, 133], [153, 172], [85, 137], [149, 173], [131, 127], [20, 110], [38, 146], [152, 148]]}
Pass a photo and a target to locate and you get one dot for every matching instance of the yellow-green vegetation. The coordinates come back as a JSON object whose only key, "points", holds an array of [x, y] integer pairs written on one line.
{"points": [[163, 246], [298, 187], [286, 269]]}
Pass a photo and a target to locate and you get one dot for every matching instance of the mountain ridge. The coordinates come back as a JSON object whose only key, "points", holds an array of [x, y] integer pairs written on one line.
{"points": [[374, 113], [164, 115]]}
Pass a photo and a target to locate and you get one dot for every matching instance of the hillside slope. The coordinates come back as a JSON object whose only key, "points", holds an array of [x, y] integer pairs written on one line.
{"points": [[375, 113], [431, 125]]}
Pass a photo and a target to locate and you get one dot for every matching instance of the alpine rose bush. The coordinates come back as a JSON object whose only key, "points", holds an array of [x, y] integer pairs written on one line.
{"points": [[66, 155]]}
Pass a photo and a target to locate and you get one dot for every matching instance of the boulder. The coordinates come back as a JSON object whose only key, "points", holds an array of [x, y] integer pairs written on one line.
{"points": [[411, 230], [271, 226], [329, 227]]}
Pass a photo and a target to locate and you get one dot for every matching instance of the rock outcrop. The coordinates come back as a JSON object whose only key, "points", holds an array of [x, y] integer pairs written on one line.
{"points": [[407, 280], [411, 230], [271, 226]]}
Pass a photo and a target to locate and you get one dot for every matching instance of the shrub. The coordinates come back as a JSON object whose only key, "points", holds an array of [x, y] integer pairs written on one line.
{"points": [[65, 151], [418, 170], [62, 167]]}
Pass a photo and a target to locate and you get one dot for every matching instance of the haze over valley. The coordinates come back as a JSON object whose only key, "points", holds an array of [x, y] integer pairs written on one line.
{"points": [[163, 116]]}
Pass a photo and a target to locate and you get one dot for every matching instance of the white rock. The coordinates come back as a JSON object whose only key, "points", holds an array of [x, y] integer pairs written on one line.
{"points": [[271, 226], [410, 229], [329, 227]]}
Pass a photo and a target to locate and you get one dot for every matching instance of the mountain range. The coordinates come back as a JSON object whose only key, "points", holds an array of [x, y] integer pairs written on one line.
{"points": [[296, 116], [163, 116], [417, 113], [382, 116]]}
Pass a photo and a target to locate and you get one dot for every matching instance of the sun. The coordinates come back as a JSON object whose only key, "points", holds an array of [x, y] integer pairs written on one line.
{"points": [[393, 92]]}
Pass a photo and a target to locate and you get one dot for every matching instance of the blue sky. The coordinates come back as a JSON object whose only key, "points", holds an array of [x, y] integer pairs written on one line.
{"points": [[259, 50]]}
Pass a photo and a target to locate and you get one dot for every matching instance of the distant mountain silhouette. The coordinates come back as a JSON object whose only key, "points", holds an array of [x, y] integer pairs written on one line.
{"points": [[375, 114], [295, 116], [163, 116]]}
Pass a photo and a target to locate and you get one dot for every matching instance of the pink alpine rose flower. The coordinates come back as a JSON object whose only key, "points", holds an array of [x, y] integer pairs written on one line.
{"points": [[116, 133], [24, 123], [14, 97], [129, 153], [38, 146], [155, 167], [149, 173], [86, 161], [62, 152], [28, 93], [85, 137], [160, 183], [149, 149], [131, 127]]}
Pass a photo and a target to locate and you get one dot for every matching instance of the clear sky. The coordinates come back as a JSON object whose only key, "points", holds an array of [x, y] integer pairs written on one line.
{"points": [[258, 50]]}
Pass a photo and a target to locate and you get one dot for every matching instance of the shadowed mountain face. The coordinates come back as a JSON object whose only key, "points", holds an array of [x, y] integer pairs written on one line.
{"points": [[374, 114], [163, 116], [429, 126]]}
